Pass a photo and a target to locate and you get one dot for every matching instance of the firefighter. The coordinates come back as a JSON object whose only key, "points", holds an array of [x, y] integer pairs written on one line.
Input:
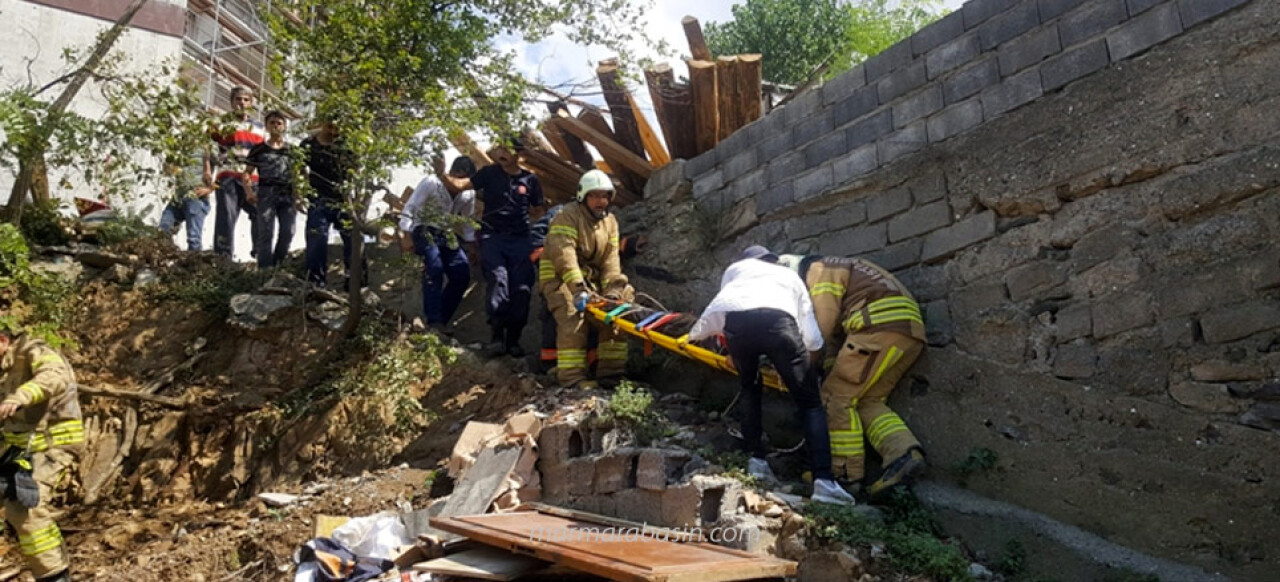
{"points": [[874, 332], [44, 437], [581, 256]]}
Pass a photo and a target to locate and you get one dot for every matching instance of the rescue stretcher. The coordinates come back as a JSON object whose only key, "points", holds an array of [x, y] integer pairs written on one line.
{"points": [[669, 331]]}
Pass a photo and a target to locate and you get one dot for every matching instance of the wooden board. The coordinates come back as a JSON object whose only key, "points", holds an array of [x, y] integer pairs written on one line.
{"points": [[482, 482], [652, 145], [706, 109], [591, 547], [618, 156], [697, 43], [485, 563]]}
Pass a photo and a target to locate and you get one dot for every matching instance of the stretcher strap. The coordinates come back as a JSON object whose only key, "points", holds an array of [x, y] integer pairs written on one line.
{"points": [[661, 322], [608, 318], [646, 321]]}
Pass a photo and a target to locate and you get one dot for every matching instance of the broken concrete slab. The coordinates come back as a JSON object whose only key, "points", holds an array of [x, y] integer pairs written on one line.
{"points": [[483, 481]]}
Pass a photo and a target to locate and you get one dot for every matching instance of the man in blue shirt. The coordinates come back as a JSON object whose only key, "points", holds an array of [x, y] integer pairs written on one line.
{"points": [[508, 192]]}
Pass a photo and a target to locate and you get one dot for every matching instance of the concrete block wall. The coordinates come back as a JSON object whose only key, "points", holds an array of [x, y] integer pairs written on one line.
{"points": [[1099, 265]]}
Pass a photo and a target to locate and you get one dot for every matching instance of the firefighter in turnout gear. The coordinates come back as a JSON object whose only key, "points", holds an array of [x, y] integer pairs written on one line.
{"points": [[581, 257], [873, 331], [44, 437]]}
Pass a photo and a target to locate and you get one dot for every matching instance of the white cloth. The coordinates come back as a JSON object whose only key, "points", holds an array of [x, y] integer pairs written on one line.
{"points": [[756, 284], [433, 191]]}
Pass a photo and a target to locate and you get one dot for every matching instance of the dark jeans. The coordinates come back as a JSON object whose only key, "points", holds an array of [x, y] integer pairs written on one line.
{"points": [[439, 299], [325, 214], [774, 334], [509, 275], [275, 204], [231, 200], [191, 211]]}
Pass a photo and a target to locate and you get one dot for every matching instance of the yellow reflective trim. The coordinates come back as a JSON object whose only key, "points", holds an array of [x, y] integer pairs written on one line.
{"points": [[613, 240], [40, 541], [887, 302], [42, 360], [546, 270], [563, 230], [835, 289], [571, 276], [890, 359], [37, 440], [35, 391], [891, 316]]}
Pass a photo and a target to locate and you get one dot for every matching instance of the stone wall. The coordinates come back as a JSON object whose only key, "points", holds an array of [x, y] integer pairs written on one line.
{"points": [[1085, 198]]}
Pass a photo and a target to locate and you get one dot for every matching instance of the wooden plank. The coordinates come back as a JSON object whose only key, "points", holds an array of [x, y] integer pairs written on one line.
{"points": [[706, 109], [727, 96], [626, 130], [618, 555], [750, 90], [673, 106], [580, 156], [482, 482], [697, 43], [652, 145], [611, 150], [555, 137], [484, 563], [463, 142], [680, 536]]}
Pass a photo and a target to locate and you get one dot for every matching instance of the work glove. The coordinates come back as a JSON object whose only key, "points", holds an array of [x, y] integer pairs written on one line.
{"points": [[25, 490], [580, 301]]}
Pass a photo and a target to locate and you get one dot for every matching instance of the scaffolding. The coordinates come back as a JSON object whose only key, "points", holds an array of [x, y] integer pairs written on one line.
{"points": [[226, 45]]}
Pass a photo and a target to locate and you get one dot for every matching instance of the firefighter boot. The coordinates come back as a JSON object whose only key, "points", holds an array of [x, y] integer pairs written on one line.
{"points": [[64, 576], [899, 472]]}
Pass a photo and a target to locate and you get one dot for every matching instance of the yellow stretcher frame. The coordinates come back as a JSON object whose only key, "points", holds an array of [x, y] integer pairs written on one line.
{"points": [[680, 346]]}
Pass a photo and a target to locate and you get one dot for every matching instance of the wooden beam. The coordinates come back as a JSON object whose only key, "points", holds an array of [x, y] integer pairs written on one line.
{"points": [[727, 96], [579, 152], [697, 43], [626, 130], [463, 142], [555, 137], [652, 145], [673, 106], [535, 140], [706, 110], [608, 148], [750, 88]]}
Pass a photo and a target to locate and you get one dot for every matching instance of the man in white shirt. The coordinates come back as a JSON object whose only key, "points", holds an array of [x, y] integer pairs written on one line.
{"points": [[763, 309], [439, 219]]}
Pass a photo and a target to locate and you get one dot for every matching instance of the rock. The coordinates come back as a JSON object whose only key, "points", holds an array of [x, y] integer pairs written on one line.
{"points": [[792, 525], [119, 273], [252, 311], [1220, 371], [792, 501], [773, 510], [878, 552], [980, 572], [101, 259], [850, 562], [1269, 392], [332, 315], [283, 280], [1265, 415], [1204, 397], [829, 567], [746, 532], [145, 277], [278, 499]]}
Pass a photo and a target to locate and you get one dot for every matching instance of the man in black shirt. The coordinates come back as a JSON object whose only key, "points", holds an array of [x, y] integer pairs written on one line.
{"points": [[508, 192], [329, 165], [274, 198]]}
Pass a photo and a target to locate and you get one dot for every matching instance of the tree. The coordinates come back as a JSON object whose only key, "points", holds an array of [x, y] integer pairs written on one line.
{"points": [[796, 37], [398, 76]]}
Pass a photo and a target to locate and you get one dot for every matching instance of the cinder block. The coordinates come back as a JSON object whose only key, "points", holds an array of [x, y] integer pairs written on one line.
{"points": [[813, 182], [1240, 321], [846, 215], [734, 145], [738, 165], [888, 203], [614, 472], [708, 183], [1011, 93], [1074, 64], [1009, 25], [772, 147], [657, 467], [802, 107], [1050, 9], [943, 243], [1137, 7], [701, 164], [909, 139], [901, 82], [972, 79], [860, 102], [955, 120], [750, 184], [812, 128], [1029, 50], [638, 505], [899, 256], [1090, 21], [854, 164], [582, 472], [951, 55], [553, 445], [1196, 11], [680, 506], [712, 204], [824, 149], [888, 61], [805, 226], [927, 188], [919, 104], [785, 167], [853, 241], [1121, 312], [843, 85], [978, 11], [921, 220], [1147, 30], [940, 31], [869, 129], [776, 197]]}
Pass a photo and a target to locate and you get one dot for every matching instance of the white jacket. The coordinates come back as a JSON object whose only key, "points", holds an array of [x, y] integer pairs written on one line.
{"points": [[756, 284], [433, 191]]}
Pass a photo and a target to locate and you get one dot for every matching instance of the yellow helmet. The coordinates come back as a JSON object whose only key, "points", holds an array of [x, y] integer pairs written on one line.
{"points": [[594, 180]]}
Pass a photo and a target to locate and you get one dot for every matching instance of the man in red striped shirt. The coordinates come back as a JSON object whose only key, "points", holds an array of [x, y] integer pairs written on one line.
{"points": [[234, 142]]}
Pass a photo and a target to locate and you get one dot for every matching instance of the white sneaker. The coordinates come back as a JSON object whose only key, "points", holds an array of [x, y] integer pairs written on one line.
{"points": [[759, 468], [828, 491]]}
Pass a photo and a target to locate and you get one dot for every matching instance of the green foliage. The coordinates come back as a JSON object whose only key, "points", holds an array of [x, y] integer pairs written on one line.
{"points": [[910, 536], [42, 224], [631, 407], [208, 286], [38, 302], [797, 36], [1013, 562], [126, 228], [980, 460]]}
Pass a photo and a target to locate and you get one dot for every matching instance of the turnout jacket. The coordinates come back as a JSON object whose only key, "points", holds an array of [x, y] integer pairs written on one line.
{"points": [[39, 380], [581, 250]]}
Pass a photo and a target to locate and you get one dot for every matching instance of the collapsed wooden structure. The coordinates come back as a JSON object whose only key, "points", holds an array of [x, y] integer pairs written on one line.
{"points": [[720, 96]]}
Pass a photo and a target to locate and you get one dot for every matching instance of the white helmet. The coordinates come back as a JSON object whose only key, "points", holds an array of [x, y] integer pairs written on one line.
{"points": [[594, 180]]}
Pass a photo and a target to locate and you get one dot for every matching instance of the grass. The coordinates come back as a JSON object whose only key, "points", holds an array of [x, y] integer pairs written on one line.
{"points": [[979, 460], [631, 407]]}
